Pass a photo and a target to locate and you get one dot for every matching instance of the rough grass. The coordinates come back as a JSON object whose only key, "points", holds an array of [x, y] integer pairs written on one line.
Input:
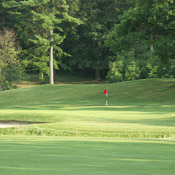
{"points": [[139, 109]]}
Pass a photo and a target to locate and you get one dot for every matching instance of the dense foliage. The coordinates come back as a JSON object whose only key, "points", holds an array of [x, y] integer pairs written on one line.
{"points": [[147, 31], [117, 39], [10, 68]]}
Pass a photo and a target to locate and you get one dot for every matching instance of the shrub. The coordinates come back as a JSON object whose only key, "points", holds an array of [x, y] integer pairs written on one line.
{"points": [[10, 68], [123, 68], [132, 70], [115, 74]]}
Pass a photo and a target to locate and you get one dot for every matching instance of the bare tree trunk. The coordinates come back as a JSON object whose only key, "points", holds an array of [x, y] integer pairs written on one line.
{"points": [[151, 45], [51, 55], [97, 75], [51, 60], [42, 76], [97, 72]]}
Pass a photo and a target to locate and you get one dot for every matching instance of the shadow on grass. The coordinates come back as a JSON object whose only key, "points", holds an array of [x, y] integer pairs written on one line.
{"points": [[67, 107]]}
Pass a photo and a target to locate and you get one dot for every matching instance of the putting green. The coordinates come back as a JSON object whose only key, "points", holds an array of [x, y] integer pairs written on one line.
{"points": [[139, 121], [72, 156]]}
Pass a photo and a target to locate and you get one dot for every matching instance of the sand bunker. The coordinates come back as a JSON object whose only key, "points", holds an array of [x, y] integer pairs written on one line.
{"points": [[13, 123]]}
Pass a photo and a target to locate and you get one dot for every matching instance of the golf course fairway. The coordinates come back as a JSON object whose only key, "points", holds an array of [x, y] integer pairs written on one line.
{"points": [[69, 131], [97, 156]]}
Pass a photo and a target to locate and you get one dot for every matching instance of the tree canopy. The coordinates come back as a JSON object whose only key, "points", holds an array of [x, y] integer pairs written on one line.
{"points": [[120, 40]]}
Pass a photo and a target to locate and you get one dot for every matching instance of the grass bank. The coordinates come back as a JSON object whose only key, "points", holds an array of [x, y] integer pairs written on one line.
{"points": [[137, 109]]}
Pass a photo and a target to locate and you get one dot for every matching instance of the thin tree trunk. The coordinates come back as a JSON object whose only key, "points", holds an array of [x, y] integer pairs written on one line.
{"points": [[97, 72], [51, 54], [51, 59], [97, 75], [42, 76], [151, 45]]}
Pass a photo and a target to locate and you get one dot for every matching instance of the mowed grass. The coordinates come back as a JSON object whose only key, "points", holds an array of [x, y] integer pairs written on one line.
{"points": [[137, 109], [21, 155], [89, 142]]}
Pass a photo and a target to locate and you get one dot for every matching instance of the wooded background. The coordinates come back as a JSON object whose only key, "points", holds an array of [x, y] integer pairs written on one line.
{"points": [[115, 40]]}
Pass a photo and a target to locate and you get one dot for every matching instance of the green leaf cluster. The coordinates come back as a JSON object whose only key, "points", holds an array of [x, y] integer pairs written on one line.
{"points": [[10, 68], [34, 20], [147, 29]]}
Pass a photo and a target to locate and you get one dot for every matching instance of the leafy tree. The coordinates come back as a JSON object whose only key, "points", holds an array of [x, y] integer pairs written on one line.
{"points": [[148, 29], [125, 67], [4, 16], [40, 32], [86, 43], [10, 69]]}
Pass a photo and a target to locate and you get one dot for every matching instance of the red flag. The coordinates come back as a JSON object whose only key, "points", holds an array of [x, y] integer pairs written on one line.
{"points": [[105, 91]]}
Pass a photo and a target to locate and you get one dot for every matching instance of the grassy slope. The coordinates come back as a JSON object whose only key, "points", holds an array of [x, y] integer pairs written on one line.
{"points": [[143, 108]]}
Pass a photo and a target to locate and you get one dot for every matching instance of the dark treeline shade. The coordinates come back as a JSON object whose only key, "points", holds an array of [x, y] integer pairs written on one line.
{"points": [[114, 39], [144, 42]]}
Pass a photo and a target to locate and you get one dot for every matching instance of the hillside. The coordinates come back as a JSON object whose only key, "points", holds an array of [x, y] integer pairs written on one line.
{"points": [[142, 108], [153, 91]]}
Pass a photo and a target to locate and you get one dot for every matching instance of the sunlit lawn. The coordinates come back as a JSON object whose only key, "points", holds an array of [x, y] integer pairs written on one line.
{"points": [[142, 109], [117, 121], [94, 141], [67, 156]]}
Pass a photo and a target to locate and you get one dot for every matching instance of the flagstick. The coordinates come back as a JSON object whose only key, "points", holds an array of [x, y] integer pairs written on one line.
{"points": [[106, 101]]}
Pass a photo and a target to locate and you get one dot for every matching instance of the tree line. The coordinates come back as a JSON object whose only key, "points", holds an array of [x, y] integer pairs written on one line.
{"points": [[113, 39]]}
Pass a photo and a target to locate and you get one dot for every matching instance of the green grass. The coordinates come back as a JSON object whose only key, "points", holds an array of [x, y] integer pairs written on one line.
{"points": [[94, 141], [68, 156], [137, 109]]}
